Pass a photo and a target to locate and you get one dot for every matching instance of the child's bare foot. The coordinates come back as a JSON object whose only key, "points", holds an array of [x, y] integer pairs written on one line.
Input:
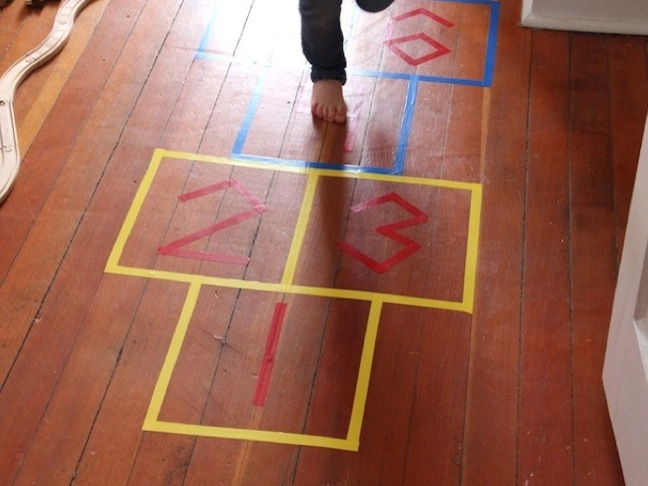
{"points": [[327, 101]]}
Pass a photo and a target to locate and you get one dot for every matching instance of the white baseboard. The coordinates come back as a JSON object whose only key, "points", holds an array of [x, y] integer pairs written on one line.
{"points": [[607, 26]]}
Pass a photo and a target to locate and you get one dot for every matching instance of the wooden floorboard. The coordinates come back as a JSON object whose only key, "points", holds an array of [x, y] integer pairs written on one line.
{"points": [[593, 255], [493, 379], [545, 432], [33, 101], [247, 334], [626, 82]]}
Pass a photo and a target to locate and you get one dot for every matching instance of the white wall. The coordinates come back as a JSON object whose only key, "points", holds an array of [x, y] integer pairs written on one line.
{"points": [[625, 372], [609, 16]]}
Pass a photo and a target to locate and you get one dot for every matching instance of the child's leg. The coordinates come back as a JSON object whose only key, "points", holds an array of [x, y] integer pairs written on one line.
{"points": [[323, 46], [374, 5]]}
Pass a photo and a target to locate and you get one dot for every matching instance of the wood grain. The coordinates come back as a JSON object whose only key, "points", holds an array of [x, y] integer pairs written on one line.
{"points": [[508, 394]]}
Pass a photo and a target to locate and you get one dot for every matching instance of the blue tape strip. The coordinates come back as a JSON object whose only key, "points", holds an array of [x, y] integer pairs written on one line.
{"points": [[204, 41], [355, 169], [253, 107], [410, 102], [489, 64], [418, 77], [406, 126], [491, 45]]}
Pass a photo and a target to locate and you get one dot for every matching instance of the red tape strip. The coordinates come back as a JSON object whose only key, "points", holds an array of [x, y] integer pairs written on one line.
{"points": [[269, 355], [175, 248], [389, 231]]}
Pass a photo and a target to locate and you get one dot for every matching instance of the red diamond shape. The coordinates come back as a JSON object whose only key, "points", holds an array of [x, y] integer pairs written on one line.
{"points": [[425, 13], [439, 49]]}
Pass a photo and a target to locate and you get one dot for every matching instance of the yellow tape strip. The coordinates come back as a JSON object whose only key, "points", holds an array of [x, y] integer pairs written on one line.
{"points": [[252, 434], [351, 442], [112, 266], [286, 284], [472, 249], [300, 230], [172, 357], [364, 374]]}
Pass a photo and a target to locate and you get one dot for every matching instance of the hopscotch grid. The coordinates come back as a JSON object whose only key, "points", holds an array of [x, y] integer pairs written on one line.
{"points": [[203, 52], [195, 283], [286, 284], [398, 164], [314, 170]]}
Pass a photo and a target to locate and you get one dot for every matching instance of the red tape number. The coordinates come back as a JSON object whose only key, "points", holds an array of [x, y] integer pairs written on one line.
{"points": [[389, 231], [177, 247]]}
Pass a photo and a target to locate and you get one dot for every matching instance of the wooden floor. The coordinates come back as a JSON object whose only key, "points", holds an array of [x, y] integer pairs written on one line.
{"points": [[199, 284]]}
